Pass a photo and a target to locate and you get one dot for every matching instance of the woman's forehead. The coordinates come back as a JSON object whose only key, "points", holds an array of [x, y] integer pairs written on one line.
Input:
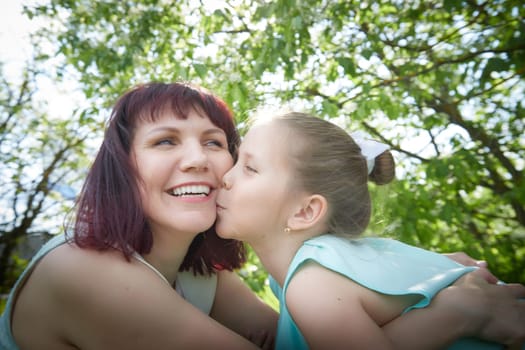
{"points": [[155, 112]]}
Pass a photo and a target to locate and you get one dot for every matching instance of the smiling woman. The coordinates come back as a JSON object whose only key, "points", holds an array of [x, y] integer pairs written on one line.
{"points": [[143, 257], [179, 157]]}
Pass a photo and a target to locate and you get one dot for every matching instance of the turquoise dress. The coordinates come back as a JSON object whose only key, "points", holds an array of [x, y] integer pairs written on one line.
{"points": [[197, 290], [383, 265]]}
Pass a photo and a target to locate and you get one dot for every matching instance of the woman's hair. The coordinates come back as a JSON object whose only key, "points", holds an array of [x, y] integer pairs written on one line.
{"points": [[327, 161], [109, 209]]}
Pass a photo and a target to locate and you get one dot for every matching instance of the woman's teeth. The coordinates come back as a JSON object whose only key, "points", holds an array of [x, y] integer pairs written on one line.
{"points": [[193, 190]]}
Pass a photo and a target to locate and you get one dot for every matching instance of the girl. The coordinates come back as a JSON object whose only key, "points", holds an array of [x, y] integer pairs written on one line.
{"points": [[298, 195]]}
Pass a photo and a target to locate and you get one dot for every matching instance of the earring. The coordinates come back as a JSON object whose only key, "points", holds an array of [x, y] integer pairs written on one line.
{"points": [[287, 229]]}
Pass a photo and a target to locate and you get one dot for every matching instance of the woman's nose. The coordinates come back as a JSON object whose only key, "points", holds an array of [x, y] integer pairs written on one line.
{"points": [[194, 158]]}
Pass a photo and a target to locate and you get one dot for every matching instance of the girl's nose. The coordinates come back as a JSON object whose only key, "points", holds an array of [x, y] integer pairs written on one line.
{"points": [[226, 181]]}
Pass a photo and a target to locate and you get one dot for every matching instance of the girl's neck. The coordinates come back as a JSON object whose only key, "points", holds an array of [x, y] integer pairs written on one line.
{"points": [[276, 253], [276, 257]]}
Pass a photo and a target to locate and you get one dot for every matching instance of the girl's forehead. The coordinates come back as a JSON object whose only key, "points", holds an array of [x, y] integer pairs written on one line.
{"points": [[268, 140], [260, 136]]}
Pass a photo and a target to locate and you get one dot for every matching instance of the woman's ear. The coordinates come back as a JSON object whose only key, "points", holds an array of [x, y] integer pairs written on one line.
{"points": [[310, 213]]}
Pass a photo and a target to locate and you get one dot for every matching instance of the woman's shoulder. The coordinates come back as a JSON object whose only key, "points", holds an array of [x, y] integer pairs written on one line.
{"points": [[69, 268], [67, 287], [70, 255], [68, 261]]}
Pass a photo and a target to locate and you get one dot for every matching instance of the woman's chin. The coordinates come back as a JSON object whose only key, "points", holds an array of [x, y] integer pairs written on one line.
{"points": [[222, 231], [196, 224]]}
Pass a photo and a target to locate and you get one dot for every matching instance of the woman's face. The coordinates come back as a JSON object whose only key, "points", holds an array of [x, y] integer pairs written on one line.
{"points": [[257, 195], [181, 163]]}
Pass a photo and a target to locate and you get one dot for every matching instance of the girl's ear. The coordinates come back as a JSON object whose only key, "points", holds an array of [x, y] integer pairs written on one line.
{"points": [[310, 213]]}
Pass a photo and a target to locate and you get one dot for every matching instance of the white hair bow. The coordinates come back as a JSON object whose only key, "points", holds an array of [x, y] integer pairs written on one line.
{"points": [[370, 149]]}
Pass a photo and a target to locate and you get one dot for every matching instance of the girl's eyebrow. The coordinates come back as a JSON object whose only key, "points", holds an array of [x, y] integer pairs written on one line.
{"points": [[246, 155]]}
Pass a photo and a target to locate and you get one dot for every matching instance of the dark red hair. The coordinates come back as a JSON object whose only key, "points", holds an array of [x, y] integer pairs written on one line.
{"points": [[109, 208]]}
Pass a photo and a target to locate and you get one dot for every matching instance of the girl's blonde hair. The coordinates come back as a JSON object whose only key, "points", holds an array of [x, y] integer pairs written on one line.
{"points": [[327, 161]]}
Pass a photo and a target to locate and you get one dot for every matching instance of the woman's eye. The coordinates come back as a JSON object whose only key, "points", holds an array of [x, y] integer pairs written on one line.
{"points": [[163, 142], [215, 143]]}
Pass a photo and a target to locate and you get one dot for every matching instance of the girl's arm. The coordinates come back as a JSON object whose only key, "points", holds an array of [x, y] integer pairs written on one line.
{"points": [[333, 312], [470, 307]]}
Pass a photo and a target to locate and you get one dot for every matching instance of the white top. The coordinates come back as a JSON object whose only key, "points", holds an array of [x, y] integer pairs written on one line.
{"points": [[196, 289]]}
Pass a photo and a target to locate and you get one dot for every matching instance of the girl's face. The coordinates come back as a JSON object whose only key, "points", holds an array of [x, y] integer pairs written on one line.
{"points": [[181, 163], [256, 195]]}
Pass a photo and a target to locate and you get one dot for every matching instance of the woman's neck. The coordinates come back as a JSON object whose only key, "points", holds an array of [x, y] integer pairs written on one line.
{"points": [[167, 253]]}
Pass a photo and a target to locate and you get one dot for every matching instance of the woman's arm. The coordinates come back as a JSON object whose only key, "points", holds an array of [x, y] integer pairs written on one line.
{"points": [[240, 309], [466, 260], [470, 307]]}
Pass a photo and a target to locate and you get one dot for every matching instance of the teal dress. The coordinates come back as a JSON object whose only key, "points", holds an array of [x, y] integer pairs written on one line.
{"points": [[197, 290], [383, 265]]}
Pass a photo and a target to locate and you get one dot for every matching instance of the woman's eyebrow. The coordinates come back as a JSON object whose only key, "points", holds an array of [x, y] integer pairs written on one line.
{"points": [[163, 129], [173, 129], [214, 131]]}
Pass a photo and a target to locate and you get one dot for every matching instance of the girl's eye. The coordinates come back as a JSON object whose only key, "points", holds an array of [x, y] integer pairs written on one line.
{"points": [[250, 169]]}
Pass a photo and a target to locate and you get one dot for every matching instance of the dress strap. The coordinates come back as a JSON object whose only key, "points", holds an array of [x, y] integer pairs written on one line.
{"points": [[197, 290], [142, 260]]}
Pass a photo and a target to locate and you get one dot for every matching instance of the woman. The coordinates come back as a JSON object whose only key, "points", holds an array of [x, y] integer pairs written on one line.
{"points": [[148, 194]]}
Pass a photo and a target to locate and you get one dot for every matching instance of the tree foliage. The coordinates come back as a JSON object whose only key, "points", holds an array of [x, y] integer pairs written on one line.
{"points": [[441, 82], [40, 157]]}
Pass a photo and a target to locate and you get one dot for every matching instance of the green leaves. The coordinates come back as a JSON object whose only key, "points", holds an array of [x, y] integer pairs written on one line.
{"points": [[201, 70], [494, 65], [348, 65], [441, 82]]}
